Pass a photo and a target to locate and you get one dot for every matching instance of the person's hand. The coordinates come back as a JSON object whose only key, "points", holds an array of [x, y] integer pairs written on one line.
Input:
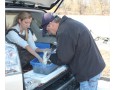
{"points": [[47, 50], [43, 61], [40, 59]]}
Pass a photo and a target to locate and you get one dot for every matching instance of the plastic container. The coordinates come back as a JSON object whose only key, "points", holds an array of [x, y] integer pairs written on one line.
{"points": [[42, 68], [42, 45], [39, 67]]}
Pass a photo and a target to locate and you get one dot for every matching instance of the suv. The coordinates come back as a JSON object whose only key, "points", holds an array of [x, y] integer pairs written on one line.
{"points": [[18, 79]]}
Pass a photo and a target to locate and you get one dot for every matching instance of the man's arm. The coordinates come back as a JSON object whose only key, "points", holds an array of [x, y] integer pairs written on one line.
{"points": [[54, 59]]}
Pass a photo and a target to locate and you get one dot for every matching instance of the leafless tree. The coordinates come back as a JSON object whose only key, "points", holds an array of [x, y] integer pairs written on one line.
{"points": [[85, 7]]}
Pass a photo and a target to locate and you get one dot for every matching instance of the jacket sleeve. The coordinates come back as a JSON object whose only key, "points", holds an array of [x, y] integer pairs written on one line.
{"points": [[54, 59], [65, 48]]}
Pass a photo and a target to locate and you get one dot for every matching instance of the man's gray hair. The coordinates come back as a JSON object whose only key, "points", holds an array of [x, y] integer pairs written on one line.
{"points": [[57, 19]]}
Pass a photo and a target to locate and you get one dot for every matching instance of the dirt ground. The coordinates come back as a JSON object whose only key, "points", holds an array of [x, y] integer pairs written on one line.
{"points": [[104, 49], [105, 55]]}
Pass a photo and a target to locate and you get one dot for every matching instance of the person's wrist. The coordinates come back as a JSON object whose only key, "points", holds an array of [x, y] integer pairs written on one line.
{"points": [[39, 58], [47, 49], [40, 50]]}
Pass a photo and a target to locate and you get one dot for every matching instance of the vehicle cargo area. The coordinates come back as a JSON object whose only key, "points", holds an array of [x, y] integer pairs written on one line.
{"points": [[57, 79], [60, 79]]}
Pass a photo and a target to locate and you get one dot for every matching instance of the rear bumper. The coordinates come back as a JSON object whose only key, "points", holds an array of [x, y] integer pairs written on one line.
{"points": [[64, 81]]}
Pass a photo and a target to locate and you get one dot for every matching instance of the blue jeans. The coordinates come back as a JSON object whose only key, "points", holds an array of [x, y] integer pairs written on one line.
{"points": [[91, 84]]}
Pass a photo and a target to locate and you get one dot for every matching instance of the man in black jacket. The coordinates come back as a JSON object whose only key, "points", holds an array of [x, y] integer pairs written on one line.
{"points": [[75, 48]]}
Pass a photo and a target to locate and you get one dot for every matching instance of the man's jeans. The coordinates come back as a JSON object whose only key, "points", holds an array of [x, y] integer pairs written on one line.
{"points": [[91, 84]]}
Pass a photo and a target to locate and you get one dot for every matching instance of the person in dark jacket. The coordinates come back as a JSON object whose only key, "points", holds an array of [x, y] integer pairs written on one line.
{"points": [[75, 48]]}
